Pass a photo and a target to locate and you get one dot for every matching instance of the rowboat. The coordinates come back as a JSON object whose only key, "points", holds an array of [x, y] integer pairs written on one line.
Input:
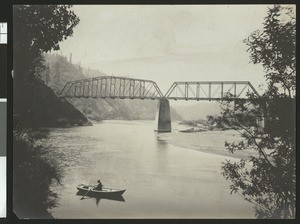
{"points": [[99, 197], [89, 189]]}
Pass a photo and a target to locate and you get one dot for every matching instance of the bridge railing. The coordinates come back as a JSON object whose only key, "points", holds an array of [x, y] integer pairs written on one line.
{"points": [[214, 90], [112, 87]]}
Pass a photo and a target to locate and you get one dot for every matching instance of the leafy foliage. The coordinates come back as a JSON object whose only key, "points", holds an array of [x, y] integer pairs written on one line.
{"points": [[40, 28], [37, 29], [267, 180], [275, 47], [33, 175]]}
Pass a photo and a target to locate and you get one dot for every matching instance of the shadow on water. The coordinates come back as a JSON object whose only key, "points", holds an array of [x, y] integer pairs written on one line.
{"points": [[98, 198]]}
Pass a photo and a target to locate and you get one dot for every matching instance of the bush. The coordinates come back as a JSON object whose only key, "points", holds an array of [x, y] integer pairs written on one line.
{"points": [[33, 176]]}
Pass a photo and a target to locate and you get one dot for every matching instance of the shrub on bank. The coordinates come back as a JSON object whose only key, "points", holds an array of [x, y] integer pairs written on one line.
{"points": [[33, 175]]}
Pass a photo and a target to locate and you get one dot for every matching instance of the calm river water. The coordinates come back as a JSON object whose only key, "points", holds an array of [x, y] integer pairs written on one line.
{"points": [[170, 175]]}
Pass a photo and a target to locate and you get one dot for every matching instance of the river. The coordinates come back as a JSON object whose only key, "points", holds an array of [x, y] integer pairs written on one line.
{"points": [[168, 175]]}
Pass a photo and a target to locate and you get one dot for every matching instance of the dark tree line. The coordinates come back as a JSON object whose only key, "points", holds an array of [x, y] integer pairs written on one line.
{"points": [[267, 180], [37, 29]]}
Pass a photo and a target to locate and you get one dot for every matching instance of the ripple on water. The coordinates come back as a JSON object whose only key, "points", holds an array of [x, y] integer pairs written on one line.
{"points": [[163, 177]]}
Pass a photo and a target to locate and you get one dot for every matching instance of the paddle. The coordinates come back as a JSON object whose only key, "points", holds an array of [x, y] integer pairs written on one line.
{"points": [[88, 192]]}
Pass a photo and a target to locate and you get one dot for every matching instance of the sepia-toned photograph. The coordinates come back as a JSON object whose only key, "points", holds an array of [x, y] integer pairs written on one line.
{"points": [[154, 111]]}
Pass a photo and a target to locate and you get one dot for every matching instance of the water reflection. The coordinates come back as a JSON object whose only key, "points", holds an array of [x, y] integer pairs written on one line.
{"points": [[98, 198], [162, 158], [186, 183], [161, 144]]}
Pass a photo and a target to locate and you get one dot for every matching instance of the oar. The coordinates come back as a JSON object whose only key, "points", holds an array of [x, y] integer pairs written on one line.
{"points": [[88, 192]]}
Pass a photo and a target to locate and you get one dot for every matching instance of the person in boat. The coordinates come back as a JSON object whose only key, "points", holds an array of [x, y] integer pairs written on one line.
{"points": [[99, 186]]}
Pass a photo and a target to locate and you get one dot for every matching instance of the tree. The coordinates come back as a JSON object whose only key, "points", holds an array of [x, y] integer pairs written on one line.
{"points": [[37, 29], [275, 48], [267, 179]]}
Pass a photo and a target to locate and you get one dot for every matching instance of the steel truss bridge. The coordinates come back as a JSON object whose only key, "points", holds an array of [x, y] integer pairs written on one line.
{"points": [[112, 87], [215, 90], [129, 88]]}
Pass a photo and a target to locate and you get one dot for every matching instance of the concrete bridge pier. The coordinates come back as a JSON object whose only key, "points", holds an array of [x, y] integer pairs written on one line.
{"points": [[163, 116]]}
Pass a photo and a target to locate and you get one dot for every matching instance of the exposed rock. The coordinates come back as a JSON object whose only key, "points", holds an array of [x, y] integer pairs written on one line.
{"points": [[40, 107]]}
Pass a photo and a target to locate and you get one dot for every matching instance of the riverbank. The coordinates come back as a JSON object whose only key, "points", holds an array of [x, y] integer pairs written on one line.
{"points": [[207, 141], [34, 172]]}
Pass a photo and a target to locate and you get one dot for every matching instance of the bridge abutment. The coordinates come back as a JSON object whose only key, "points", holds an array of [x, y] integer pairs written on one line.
{"points": [[163, 116]]}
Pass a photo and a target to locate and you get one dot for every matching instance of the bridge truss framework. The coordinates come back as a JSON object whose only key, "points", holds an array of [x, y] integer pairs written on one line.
{"points": [[112, 87], [129, 88], [214, 90]]}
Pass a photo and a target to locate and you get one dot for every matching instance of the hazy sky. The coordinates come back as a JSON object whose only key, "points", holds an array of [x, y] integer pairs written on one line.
{"points": [[167, 43]]}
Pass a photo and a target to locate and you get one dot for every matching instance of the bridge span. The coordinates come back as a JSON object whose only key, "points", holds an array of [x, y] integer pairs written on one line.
{"points": [[115, 87], [112, 87]]}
